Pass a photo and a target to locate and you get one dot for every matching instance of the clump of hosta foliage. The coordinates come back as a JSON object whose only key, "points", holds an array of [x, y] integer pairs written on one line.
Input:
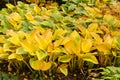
{"points": [[58, 39]]}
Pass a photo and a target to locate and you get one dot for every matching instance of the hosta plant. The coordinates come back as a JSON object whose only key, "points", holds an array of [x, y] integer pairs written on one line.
{"points": [[59, 40]]}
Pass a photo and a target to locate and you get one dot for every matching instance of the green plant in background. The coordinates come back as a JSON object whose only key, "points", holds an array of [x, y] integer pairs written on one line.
{"points": [[5, 76], [110, 73]]}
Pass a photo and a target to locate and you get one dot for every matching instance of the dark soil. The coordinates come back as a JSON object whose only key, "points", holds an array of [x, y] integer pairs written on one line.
{"points": [[26, 74]]}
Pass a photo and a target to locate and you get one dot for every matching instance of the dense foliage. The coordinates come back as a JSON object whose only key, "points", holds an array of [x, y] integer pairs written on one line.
{"points": [[62, 38]]}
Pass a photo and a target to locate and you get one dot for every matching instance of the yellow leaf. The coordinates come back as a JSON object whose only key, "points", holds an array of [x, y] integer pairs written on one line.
{"points": [[69, 47], [50, 48], [40, 65], [63, 69], [41, 55], [97, 38], [46, 65], [37, 9], [58, 42], [65, 58], [48, 36], [40, 29], [116, 33], [108, 18], [93, 27], [72, 47], [41, 41], [75, 36], [3, 54], [15, 40], [35, 22], [65, 40], [2, 39], [56, 50], [90, 57], [58, 33], [10, 6], [86, 45], [15, 56], [29, 16], [29, 46], [15, 16], [90, 11], [82, 29], [105, 1], [104, 47]]}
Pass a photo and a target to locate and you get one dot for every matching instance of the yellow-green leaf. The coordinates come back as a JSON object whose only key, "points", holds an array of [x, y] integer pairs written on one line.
{"points": [[41, 55], [15, 56], [65, 58], [40, 65], [37, 9], [90, 57], [75, 36], [63, 69]]}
